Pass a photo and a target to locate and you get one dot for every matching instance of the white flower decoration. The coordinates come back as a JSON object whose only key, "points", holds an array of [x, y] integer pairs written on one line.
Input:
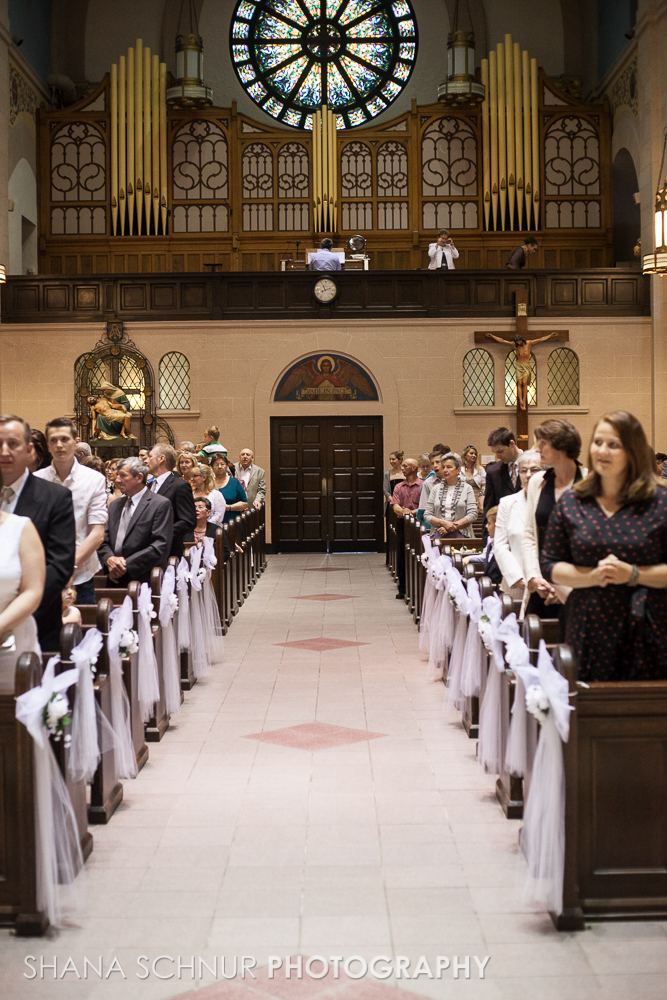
{"points": [[129, 643], [486, 632], [56, 716], [537, 702]]}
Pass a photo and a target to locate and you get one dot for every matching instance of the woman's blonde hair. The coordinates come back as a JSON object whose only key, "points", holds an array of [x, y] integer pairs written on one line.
{"points": [[192, 458], [464, 453], [641, 480], [207, 473]]}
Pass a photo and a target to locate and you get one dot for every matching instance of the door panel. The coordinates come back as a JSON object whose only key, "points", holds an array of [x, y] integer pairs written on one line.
{"points": [[326, 483]]}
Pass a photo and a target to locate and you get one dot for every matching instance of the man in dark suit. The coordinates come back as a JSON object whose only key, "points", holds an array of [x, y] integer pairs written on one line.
{"points": [[502, 477], [49, 507], [161, 463], [138, 534]]}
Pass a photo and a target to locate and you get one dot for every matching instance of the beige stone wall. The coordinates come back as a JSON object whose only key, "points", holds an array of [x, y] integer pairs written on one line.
{"points": [[417, 366]]}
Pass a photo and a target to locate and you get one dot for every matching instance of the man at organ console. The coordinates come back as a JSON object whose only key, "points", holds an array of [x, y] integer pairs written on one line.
{"points": [[443, 253], [324, 259]]}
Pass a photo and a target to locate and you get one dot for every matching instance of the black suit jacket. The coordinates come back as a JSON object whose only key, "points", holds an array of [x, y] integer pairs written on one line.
{"points": [[50, 508], [179, 494], [148, 539], [498, 485]]}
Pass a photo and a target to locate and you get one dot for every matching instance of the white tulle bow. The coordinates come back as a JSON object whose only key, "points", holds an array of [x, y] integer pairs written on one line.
{"points": [[195, 563], [209, 558], [456, 590], [475, 601], [168, 598], [148, 681], [84, 753], [30, 705]]}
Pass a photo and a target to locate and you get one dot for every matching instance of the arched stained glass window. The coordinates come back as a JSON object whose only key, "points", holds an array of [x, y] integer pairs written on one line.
{"points": [[563, 378], [292, 56], [478, 379], [510, 380], [174, 382]]}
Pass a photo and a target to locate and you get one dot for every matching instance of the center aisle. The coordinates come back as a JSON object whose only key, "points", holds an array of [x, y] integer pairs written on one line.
{"points": [[312, 798]]}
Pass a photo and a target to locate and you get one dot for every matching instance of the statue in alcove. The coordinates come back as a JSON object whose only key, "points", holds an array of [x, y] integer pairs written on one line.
{"points": [[112, 413]]}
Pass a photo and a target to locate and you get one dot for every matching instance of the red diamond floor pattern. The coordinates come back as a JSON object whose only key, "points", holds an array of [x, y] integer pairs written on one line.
{"points": [[320, 645], [314, 736]]}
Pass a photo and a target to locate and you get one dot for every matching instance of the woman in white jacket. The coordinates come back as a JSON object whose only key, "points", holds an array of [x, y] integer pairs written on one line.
{"points": [[442, 253], [559, 445], [510, 525]]}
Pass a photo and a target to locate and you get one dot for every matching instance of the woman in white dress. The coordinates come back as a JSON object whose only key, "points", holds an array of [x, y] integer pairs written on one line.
{"points": [[510, 524], [22, 576]]}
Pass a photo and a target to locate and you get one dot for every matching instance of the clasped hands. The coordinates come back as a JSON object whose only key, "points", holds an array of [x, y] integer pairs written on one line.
{"points": [[611, 570], [445, 527], [116, 567]]}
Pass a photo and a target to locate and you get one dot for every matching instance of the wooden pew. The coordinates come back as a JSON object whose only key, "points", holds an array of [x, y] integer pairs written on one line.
{"points": [[615, 800], [158, 723], [106, 793], [18, 883], [70, 636]]}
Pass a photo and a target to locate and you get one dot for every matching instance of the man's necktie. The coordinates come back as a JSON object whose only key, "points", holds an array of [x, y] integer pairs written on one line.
{"points": [[123, 526], [513, 474], [7, 495]]}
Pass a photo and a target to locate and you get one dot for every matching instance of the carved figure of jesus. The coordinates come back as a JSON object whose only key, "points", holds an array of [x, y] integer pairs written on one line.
{"points": [[522, 369]]}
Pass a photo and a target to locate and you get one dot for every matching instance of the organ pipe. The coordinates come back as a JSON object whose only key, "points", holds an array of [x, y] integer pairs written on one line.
{"points": [[325, 171], [486, 163], [518, 133], [510, 138], [138, 145]]}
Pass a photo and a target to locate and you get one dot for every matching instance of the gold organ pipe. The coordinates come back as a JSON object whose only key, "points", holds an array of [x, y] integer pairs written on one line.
{"points": [[502, 136], [130, 141], [527, 143], [493, 108], [509, 110], [534, 125], [163, 146], [486, 162], [114, 148], [518, 133], [139, 130], [316, 174], [333, 195], [122, 153], [148, 146], [155, 135], [325, 172]]}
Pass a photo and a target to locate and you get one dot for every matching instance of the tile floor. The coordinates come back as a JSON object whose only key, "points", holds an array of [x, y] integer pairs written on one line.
{"points": [[363, 827]]}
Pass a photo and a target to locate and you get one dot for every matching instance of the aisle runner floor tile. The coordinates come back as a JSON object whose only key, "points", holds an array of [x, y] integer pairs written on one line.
{"points": [[320, 802]]}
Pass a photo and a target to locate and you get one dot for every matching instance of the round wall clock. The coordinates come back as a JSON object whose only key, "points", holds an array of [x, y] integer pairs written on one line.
{"points": [[325, 290]]}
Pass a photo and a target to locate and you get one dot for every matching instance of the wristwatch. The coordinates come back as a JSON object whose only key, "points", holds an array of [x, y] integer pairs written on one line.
{"points": [[634, 577]]}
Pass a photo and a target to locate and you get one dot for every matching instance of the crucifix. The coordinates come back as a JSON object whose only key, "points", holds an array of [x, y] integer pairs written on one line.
{"points": [[521, 339]]}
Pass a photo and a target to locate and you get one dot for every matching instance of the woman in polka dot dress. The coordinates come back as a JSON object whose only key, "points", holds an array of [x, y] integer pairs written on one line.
{"points": [[607, 539]]}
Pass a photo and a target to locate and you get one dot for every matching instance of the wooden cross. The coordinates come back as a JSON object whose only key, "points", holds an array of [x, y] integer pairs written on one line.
{"points": [[521, 329]]}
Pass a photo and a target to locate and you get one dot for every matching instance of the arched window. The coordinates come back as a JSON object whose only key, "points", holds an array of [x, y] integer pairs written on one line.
{"points": [[293, 180], [257, 171], [356, 181], [449, 175], [174, 382], [89, 373], [510, 380], [563, 378], [572, 168], [478, 379], [78, 174]]}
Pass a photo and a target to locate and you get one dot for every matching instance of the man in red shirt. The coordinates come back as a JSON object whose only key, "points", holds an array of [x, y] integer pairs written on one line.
{"points": [[406, 501]]}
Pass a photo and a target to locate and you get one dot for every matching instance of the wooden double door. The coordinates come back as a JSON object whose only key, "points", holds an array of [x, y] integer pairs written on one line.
{"points": [[326, 484]]}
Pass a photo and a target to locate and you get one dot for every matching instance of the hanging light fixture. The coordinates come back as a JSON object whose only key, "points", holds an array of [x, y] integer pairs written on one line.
{"points": [[656, 262], [461, 88], [189, 90]]}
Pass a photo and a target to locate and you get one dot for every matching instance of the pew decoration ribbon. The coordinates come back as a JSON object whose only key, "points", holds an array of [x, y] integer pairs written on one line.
{"points": [[211, 613], [474, 654], [91, 733], [183, 621], [148, 686], [170, 661], [198, 640], [124, 756], [129, 643], [490, 745], [517, 656], [543, 833], [441, 617], [458, 598], [58, 855]]}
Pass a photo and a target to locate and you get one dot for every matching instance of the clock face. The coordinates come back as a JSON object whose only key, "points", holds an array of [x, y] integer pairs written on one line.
{"points": [[325, 290]]}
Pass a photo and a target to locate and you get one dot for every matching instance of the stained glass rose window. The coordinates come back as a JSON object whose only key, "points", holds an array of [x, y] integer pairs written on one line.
{"points": [[291, 56]]}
